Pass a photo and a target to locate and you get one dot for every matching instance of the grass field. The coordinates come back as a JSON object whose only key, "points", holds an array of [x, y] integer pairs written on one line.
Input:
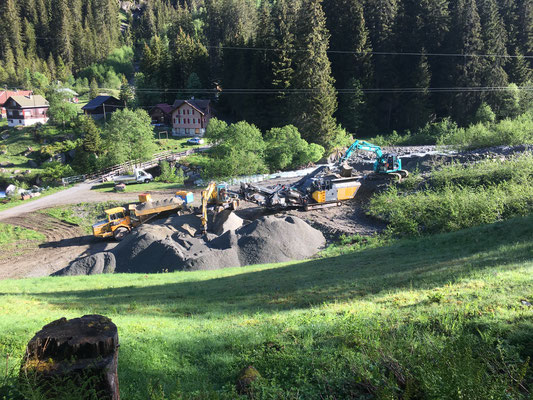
{"points": [[437, 317]]}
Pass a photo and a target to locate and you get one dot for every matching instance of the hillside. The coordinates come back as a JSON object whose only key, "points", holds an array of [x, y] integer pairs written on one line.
{"points": [[440, 317]]}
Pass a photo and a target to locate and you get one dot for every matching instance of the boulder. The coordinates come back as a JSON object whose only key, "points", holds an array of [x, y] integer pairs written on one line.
{"points": [[11, 190], [99, 263]]}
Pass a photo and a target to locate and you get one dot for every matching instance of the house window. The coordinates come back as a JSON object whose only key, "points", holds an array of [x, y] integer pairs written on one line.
{"points": [[188, 121], [192, 112], [194, 119], [188, 112]]}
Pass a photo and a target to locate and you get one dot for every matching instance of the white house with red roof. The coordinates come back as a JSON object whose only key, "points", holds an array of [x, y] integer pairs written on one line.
{"points": [[190, 117], [6, 94], [26, 110]]}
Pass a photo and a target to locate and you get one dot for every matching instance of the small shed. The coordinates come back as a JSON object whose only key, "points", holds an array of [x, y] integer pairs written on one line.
{"points": [[161, 114], [102, 106]]}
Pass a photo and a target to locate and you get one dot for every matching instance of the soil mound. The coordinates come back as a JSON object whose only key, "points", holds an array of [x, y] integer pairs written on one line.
{"points": [[168, 246], [99, 263]]}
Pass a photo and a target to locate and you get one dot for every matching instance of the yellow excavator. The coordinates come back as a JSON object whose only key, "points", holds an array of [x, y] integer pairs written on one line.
{"points": [[218, 197]]}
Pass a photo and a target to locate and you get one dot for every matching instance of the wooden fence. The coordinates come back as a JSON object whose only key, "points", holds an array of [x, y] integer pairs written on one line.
{"points": [[108, 173]]}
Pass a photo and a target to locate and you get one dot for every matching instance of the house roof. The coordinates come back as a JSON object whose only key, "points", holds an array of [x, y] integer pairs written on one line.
{"points": [[67, 91], [200, 105], [98, 101], [30, 101], [6, 94], [166, 108]]}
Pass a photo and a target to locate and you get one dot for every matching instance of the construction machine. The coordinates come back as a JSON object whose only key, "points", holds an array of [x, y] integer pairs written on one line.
{"points": [[217, 197], [385, 164], [321, 188], [122, 220]]}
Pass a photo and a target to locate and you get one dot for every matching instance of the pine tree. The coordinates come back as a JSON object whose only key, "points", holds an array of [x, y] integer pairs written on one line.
{"points": [[314, 110], [126, 93], [469, 72], [63, 31], [9, 66], [92, 140], [525, 27], [347, 24], [188, 55], [10, 30], [495, 42], [93, 89], [419, 108], [381, 18], [519, 70], [51, 64]]}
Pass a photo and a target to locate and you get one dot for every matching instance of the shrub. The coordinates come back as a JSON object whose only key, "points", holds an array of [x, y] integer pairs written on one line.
{"points": [[459, 197], [285, 148], [169, 174], [54, 171]]}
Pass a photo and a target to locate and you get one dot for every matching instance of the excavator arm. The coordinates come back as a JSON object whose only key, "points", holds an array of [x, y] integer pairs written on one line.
{"points": [[361, 145], [206, 195]]}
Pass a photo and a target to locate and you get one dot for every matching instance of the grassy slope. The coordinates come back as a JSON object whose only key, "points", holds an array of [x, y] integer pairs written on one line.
{"points": [[83, 214], [438, 313]]}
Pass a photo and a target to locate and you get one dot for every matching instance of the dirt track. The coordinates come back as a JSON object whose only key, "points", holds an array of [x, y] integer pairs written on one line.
{"points": [[64, 242]]}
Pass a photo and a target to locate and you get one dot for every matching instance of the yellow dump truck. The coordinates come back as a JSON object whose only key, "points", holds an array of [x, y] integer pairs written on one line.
{"points": [[121, 220]]}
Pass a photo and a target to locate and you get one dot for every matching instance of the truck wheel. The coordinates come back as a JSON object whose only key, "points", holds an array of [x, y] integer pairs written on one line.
{"points": [[147, 181], [120, 234]]}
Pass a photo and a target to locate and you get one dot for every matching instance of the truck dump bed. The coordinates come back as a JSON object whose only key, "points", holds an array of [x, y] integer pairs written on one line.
{"points": [[156, 207]]}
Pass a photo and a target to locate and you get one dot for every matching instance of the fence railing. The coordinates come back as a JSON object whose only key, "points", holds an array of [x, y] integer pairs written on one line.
{"points": [[72, 179], [109, 172]]}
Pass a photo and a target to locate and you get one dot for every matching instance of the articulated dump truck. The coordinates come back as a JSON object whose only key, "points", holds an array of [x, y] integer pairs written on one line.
{"points": [[122, 220]]}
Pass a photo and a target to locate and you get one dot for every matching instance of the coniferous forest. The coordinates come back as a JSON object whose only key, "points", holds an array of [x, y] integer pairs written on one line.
{"points": [[368, 66]]}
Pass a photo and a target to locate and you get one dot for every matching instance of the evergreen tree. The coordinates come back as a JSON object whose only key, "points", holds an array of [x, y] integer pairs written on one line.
{"points": [[347, 24], [519, 70], [10, 31], [189, 56], [418, 106], [126, 93], [469, 73], [313, 110], [92, 141], [93, 89], [495, 42]]}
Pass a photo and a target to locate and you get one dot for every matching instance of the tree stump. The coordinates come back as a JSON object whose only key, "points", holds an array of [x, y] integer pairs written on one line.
{"points": [[81, 350]]}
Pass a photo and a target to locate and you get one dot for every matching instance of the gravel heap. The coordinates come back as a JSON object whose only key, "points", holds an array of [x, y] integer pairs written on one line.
{"points": [[168, 245], [99, 263]]}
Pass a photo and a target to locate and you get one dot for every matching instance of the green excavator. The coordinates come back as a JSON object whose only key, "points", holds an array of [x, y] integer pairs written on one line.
{"points": [[385, 164]]}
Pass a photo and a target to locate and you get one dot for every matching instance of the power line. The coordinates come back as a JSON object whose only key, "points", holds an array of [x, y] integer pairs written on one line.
{"points": [[348, 52], [378, 53]]}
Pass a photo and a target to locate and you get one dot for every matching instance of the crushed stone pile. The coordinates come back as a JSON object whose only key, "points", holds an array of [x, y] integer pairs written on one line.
{"points": [[99, 263], [167, 245]]}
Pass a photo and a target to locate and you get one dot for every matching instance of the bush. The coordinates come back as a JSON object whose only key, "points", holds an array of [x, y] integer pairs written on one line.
{"points": [[239, 149], [285, 148], [54, 171], [508, 132], [169, 174], [460, 198]]}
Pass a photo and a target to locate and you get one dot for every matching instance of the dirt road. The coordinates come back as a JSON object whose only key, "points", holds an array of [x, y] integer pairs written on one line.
{"points": [[80, 193]]}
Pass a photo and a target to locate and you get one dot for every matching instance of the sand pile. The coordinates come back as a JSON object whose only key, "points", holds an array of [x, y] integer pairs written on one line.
{"points": [[167, 245]]}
